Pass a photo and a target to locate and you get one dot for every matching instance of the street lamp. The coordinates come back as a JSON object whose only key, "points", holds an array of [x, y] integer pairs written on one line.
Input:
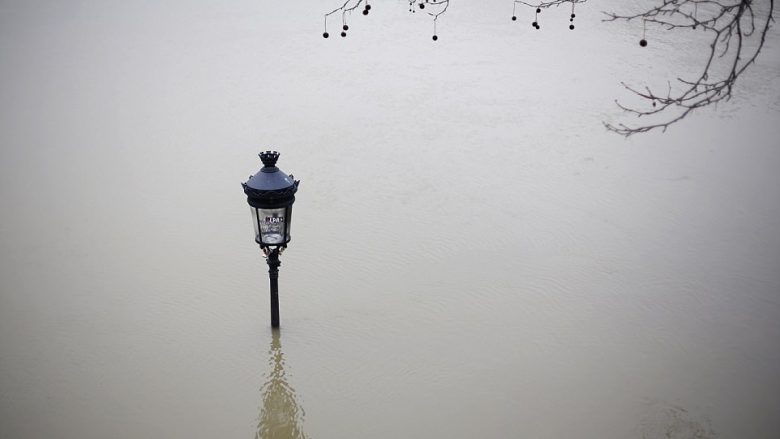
{"points": [[271, 194]]}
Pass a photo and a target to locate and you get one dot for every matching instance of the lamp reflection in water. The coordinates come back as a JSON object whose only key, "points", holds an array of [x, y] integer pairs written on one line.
{"points": [[280, 415]]}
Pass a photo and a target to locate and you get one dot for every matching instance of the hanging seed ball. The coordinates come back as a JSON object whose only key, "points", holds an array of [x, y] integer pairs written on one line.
{"points": [[514, 18], [643, 42], [325, 35], [368, 7], [343, 34], [534, 24], [345, 27], [435, 37], [538, 10], [571, 27], [422, 5], [365, 11], [571, 19], [572, 15]]}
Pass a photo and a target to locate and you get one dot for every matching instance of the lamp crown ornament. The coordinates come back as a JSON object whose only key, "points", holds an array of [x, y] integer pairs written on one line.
{"points": [[269, 158]]}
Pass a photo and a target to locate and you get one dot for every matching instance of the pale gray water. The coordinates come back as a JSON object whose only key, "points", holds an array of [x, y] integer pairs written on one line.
{"points": [[473, 255]]}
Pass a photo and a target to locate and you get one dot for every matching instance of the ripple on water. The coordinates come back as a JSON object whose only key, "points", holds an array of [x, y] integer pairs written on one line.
{"points": [[667, 421]]}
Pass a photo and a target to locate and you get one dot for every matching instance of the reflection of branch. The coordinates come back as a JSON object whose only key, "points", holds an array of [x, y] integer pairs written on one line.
{"points": [[733, 25], [280, 416]]}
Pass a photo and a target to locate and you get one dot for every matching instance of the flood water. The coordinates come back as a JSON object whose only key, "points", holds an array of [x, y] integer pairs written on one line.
{"points": [[473, 254]]}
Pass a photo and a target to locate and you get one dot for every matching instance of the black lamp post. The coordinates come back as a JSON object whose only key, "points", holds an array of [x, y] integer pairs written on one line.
{"points": [[271, 194]]}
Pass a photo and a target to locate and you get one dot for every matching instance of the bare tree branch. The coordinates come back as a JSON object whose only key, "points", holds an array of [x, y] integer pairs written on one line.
{"points": [[737, 29], [439, 7], [544, 5], [347, 7], [548, 4], [737, 37]]}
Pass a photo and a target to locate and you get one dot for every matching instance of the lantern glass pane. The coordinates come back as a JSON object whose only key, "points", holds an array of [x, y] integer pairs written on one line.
{"points": [[253, 211], [272, 225], [288, 220]]}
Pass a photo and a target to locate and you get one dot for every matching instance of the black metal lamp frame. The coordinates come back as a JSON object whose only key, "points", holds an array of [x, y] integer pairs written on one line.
{"points": [[271, 189]]}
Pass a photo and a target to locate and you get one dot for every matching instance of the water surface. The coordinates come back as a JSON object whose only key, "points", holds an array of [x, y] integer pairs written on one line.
{"points": [[473, 255]]}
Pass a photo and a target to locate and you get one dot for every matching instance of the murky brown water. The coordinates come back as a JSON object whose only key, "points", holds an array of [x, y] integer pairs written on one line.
{"points": [[473, 256]]}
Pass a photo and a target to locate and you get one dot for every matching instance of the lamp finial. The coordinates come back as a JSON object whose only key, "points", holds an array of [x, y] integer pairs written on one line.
{"points": [[269, 158]]}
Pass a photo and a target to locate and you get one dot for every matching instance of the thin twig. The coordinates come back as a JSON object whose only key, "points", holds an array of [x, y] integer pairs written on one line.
{"points": [[732, 23]]}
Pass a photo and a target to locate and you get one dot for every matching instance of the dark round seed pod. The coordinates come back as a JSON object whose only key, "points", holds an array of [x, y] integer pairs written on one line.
{"points": [[571, 26], [422, 5], [368, 7], [643, 42], [365, 11], [343, 34], [572, 15], [538, 10], [325, 35], [345, 27], [435, 37], [514, 18]]}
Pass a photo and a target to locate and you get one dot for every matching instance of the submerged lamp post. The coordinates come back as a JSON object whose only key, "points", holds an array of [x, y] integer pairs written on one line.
{"points": [[271, 194]]}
